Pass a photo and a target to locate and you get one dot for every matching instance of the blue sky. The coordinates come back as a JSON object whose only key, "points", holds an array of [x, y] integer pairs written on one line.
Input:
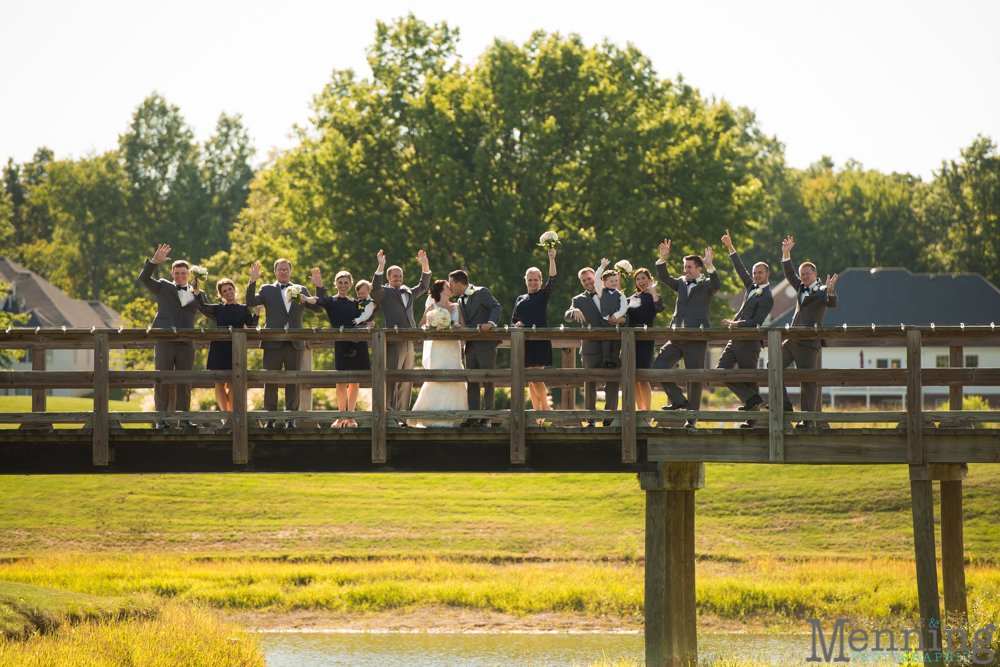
{"points": [[898, 86]]}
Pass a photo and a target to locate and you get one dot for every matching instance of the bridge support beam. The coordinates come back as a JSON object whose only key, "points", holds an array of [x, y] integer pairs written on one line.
{"points": [[670, 612], [922, 498]]}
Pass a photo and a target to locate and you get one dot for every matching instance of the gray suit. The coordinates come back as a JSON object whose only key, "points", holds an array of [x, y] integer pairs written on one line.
{"points": [[398, 313], [809, 311], [752, 313], [591, 352], [478, 308], [690, 312], [281, 355], [170, 355]]}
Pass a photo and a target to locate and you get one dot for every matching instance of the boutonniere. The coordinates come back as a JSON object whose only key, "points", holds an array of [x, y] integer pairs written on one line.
{"points": [[757, 292], [700, 280], [404, 288], [815, 287]]}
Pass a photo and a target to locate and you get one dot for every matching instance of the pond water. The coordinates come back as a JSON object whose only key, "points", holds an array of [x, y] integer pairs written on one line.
{"points": [[453, 649]]}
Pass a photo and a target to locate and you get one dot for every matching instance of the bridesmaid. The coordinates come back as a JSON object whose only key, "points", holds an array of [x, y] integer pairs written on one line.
{"points": [[346, 312], [530, 310], [643, 306], [229, 313]]}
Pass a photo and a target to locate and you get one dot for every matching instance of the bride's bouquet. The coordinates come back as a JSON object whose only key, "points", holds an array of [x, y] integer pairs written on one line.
{"points": [[549, 240], [294, 293], [199, 271], [624, 268], [439, 318]]}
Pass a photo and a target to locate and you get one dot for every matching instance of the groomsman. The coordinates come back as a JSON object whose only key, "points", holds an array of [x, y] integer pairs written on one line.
{"points": [[176, 307], [694, 297], [810, 307], [756, 306], [281, 312], [586, 309], [396, 301], [480, 309]]}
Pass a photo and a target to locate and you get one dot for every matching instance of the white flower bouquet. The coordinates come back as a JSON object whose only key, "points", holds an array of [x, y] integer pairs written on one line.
{"points": [[549, 240], [439, 318], [199, 271], [294, 293], [624, 267]]}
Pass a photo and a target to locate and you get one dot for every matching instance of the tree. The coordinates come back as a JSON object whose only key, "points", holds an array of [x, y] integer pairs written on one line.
{"points": [[7, 319], [474, 163], [226, 175]]}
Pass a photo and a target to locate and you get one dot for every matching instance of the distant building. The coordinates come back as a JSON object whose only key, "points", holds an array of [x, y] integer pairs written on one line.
{"points": [[47, 306], [892, 297]]}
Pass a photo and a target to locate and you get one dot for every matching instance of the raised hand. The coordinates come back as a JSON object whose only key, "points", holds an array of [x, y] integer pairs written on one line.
{"points": [[707, 259], [552, 253], [651, 287], [604, 262], [424, 262], [728, 242], [194, 285], [830, 282], [786, 247], [256, 310], [255, 272], [317, 278], [161, 253], [381, 260], [664, 249]]}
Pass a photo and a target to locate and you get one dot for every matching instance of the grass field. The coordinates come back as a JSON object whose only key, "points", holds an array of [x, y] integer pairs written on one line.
{"points": [[62, 404]]}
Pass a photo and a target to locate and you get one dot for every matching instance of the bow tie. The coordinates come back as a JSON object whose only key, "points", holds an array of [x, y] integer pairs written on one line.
{"points": [[280, 286], [181, 288], [690, 282]]}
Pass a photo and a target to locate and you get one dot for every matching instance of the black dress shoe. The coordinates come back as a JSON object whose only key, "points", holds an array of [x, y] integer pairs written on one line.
{"points": [[290, 423], [750, 423], [752, 403], [268, 423], [485, 423], [691, 423], [606, 422], [591, 423], [468, 423], [676, 406], [186, 423], [806, 424], [161, 424]]}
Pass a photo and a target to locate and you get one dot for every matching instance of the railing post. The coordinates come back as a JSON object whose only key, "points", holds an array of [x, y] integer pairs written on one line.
{"points": [[914, 399], [240, 422], [775, 397], [378, 397], [569, 393], [956, 360], [38, 395], [101, 399], [922, 499], [517, 396], [628, 396]]}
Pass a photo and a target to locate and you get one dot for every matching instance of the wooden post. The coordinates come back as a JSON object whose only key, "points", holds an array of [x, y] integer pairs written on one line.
{"points": [[775, 397], [38, 395], [628, 396], [957, 360], [922, 497], [655, 605], [676, 588], [379, 452], [306, 394], [952, 548], [239, 420], [914, 399], [569, 393], [101, 399], [690, 597], [517, 453]]}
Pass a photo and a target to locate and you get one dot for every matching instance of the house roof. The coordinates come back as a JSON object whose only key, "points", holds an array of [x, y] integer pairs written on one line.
{"points": [[48, 306], [896, 296]]}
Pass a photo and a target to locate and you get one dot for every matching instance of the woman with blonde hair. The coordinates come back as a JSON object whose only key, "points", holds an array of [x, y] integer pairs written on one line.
{"points": [[643, 307], [229, 313], [530, 310]]}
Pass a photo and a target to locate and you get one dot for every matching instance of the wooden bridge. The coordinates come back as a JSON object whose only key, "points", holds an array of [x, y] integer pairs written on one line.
{"points": [[670, 462]]}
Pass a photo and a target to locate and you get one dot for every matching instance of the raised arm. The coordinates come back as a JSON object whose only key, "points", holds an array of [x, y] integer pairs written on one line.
{"points": [[378, 281], [146, 275], [425, 275], [831, 296], [734, 257], [598, 283], [786, 263], [254, 298]]}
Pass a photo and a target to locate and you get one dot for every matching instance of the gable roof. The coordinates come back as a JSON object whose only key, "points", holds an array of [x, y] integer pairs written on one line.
{"points": [[896, 296], [48, 306]]}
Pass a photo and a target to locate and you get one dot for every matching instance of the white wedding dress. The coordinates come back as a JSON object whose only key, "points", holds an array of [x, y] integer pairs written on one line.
{"points": [[441, 395]]}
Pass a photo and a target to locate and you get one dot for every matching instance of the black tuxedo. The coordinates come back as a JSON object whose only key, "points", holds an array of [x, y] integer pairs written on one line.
{"points": [[171, 355], [691, 311], [397, 311], [591, 353], [756, 306], [810, 307], [480, 307]]}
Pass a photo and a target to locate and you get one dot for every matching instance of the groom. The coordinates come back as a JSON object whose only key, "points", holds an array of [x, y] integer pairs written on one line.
{"points": [[480, 309]]}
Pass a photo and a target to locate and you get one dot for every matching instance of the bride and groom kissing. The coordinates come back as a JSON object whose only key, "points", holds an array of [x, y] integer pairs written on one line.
{"points": [[475, 307]]}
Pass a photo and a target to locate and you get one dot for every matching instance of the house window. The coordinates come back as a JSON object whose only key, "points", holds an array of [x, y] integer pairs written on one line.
{"points": [[881, 363], [761, 363], [942, 361], [896, 363], [972, 361]]}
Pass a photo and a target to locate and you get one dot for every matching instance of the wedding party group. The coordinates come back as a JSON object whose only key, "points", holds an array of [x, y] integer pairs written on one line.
{"points": [[456, 302]]}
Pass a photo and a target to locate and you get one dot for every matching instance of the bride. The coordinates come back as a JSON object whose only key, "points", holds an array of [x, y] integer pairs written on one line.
{"points": [[441, 354]]}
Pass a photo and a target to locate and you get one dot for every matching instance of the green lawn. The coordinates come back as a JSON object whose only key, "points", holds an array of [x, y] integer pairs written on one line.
{"points": [[62, 404]]}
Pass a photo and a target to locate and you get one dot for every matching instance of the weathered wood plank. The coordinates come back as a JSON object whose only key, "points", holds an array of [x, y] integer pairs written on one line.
{"points": [[449, 414], [568, 362], [240, 420], [690, 596], [962, 417], [45, 417], [922, 497], [684, 415], [628, 416], [38, 358], [953, 552], [914, 399], [150, 417], [655, 605], [101, 362], [517, 383], [775, 417], [378, 373], [956, 359]]}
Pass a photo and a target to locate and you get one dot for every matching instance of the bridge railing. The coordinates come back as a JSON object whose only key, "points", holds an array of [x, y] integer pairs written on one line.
{"points": [[517, 420]]}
